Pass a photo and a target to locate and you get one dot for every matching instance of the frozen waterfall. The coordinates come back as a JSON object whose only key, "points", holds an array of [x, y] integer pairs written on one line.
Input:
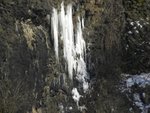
{"points": [[74, 46]]}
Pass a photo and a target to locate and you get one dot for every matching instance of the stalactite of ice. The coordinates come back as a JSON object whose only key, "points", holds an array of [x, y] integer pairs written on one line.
{"points": [[69, 41], [54, 26], [82, 22], [67, 36], [62, 21], [80, 50]]}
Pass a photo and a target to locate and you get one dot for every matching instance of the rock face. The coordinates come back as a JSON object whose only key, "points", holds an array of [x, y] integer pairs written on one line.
{"points": [[136, 36], [116, 33]]}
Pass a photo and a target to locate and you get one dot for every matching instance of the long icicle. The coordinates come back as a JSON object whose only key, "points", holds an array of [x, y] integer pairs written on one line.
{"points": [[54, 25]]}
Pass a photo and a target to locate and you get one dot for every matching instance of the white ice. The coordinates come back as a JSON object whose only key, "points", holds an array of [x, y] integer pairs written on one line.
{"points": [[54, 26], [74, 46], [76, 96], [71, 40]]}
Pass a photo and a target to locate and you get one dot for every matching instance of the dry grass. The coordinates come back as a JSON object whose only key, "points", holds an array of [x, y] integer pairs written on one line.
{"points": [[34, 110], [41, 29], [29, 34]]}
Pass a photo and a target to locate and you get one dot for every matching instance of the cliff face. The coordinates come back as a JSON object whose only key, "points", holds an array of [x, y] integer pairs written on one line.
{"points": [[117, 37], [136, 36]]}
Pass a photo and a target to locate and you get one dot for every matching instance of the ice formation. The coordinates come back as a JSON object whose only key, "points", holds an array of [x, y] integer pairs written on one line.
{"points": [[74, 46], [76, 96], [54, 23], [142, 81], [71, 40]]}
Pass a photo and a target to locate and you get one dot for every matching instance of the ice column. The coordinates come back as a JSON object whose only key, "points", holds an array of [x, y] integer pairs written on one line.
{"points": [[54, 26]]}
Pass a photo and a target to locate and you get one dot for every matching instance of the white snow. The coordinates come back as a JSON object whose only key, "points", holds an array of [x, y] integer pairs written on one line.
{"points": [[136, 31], [70, 108], [138, 23], [132, 23], [130, 32], [135, 28]]}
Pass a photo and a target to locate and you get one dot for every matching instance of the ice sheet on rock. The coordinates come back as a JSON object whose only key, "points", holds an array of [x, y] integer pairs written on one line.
{"points": [[141, 80], [76, 96], [80, 65], [139, 103], [81, 108]]}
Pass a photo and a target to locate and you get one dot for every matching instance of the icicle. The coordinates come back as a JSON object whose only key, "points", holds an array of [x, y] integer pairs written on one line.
{"points": [[83, 23], [81, 51], [54, 21], [62, 21], [69, 41]]}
